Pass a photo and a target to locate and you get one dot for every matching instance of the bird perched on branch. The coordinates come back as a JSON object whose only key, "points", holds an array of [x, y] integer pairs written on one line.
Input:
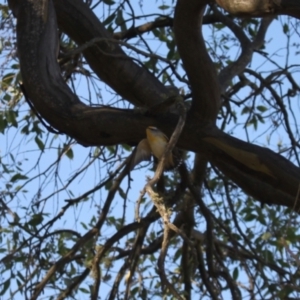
{"points": [[155, 144]]}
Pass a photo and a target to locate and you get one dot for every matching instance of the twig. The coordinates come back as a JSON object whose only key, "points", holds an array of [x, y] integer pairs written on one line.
{"points": [[160, 205]]}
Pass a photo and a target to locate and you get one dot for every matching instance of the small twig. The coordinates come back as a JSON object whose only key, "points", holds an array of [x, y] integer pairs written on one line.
{"points": [[134, 257], [162, 21], [60, 263], [107, 41], [160, 205], [96, 274], [137, 206], [72, 286], [161, 262]]}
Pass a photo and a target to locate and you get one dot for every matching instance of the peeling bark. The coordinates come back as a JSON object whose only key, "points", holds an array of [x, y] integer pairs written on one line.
{"points": [[261, 8], [253, 7]]}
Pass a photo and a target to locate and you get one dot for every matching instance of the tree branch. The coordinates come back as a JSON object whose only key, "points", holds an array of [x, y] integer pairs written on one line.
{"points": [[130, 81], [37, 45], [248, 47], [197, 63], [261, 8], [163, 21]]}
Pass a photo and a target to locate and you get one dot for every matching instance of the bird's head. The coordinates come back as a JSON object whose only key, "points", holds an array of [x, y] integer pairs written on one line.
{"points": [[153, 133], [153, 129]]}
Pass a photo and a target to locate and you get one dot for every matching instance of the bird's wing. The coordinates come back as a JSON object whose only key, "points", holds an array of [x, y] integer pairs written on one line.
{"points": [[142, 152]]}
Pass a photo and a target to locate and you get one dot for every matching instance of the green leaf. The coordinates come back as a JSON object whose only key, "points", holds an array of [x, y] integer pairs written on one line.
{"points": [[109, 2], [83, 290], [7, 97], [15, 66], [127, 147], [3, 123], [260, 216], [285, 28], [260, 118], [266, 236], [177, 255], [134, 292], [246, 110], [120, 20], [111, 149], [122, 193], [5, 286], [251, 32], [268, 255], [70, 153], [235, 274], [219, 26], [261, 108], [25, 130], [84, 226], [36, 127], [36, 220], [109, 19], [108, 185], [17, 177], [253, 122], [144, 294], [39, 143], [20, 275], [7, 79], [250, 217], [11, 117], [163, 7]]}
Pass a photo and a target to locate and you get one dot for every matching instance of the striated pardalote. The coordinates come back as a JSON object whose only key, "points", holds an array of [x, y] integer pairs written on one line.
{"points": [[155, 145]]}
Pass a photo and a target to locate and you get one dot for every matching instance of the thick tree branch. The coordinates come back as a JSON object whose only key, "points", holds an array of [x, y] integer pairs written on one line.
{"points": [[248, 47], [264, 169], [51, 96], [130, 81], [196, 61], [261, 8], [37, 40]]}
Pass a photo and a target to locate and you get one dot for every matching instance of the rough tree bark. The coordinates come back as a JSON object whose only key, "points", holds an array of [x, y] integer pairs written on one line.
{"points": [[267, 176]]}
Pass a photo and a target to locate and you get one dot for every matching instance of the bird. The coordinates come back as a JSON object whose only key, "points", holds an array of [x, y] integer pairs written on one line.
{"points": [[154, 144]]}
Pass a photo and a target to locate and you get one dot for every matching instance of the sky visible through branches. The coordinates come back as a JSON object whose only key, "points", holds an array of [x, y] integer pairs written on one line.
{"points": [[79, 169]]}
